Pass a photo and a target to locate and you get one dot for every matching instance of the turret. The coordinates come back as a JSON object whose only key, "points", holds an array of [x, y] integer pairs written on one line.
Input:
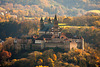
{"points": [[82, 41], [49, 21], [41, 23]]}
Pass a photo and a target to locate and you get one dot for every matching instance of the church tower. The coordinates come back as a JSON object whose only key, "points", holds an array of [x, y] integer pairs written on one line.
{"points": [[55, 22], [55, 30], [41, 23]]}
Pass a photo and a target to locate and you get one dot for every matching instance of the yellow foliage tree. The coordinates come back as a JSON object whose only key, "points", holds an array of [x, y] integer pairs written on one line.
{"points": [[40, 61], [42, 66], [54, 57], [50, 60], [14, 60], [75, 59]]}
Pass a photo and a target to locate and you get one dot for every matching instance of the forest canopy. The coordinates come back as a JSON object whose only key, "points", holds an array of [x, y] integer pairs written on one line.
{"points": [[49, 7]]}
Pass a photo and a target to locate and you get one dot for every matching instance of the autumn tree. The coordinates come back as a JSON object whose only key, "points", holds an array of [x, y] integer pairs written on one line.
{"points": [[68, 20], [1, 47], [97, 23], [54, 57], [40, 61], [4, 55], [8, 44], [51, 62]]}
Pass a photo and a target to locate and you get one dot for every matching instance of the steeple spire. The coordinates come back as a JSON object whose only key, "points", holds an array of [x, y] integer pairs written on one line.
{"points": [[41, 19], [55, 17], [49, 19], [41, 23]]}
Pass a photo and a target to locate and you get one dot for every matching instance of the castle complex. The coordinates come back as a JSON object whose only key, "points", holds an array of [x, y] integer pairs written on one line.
{"points": [[50, 35]]}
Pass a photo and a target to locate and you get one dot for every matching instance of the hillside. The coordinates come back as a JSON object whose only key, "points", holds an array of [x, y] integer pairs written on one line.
{"points": [[61, 7]]}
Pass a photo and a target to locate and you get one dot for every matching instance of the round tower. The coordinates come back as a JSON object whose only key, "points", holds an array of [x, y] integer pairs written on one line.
{"points": [[82, 41]]}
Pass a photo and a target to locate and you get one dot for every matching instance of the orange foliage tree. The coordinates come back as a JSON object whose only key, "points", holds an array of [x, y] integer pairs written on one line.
{"points": [[5, 54]]}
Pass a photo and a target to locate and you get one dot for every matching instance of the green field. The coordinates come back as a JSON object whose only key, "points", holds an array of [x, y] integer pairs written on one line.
{"points": [[29, 18], [75, 26], [63, 25]]}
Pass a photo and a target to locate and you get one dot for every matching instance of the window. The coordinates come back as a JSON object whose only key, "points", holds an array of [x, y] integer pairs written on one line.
{"points": [[62, 37]]}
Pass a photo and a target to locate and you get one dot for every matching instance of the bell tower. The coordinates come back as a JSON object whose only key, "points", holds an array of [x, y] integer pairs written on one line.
{"points": [[55, 30], [41, 23], [55, 22]]}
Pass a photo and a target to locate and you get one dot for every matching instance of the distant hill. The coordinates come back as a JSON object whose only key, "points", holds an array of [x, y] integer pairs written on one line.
{"points": [[92, 12], [61, 7]]}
